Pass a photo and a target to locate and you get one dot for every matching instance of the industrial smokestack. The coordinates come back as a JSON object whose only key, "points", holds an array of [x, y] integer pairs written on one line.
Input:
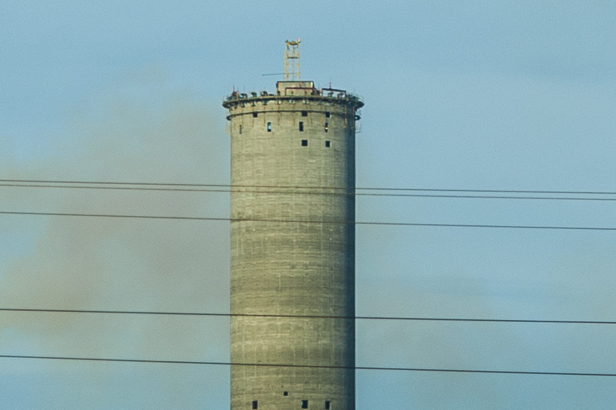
{"points": [[293, 247]]}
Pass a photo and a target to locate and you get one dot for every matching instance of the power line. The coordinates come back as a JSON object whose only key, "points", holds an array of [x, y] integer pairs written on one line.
{"points": [[392, 318], [259, 190], [307, 187], [128, 188], [407, 369], [225, 188], [333, 222]]}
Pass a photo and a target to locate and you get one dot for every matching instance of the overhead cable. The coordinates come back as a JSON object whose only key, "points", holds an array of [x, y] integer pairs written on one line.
{"points": [[320, 191], [332, 222], [392, 318], [407, 369], [309, 190]]}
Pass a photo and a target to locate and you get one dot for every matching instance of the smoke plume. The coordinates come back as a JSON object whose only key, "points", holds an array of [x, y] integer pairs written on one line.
{"points": [[121, 264]]}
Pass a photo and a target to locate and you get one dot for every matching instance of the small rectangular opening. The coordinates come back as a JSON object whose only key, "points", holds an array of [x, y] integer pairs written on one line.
{"points": [[285, 393], [255, 114], [304, 113], [304, 404], [327, 144], [304, 143], [301, 126], [326, 114], [255, 404], [269, 127], [327, 405], [326, 126]]}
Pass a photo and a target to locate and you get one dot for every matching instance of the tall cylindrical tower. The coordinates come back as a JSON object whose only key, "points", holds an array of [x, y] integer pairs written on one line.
{"points": [[293, 247]]}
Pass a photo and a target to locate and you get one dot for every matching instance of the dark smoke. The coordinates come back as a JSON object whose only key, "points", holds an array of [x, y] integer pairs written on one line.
{"points": [[103, 264]]}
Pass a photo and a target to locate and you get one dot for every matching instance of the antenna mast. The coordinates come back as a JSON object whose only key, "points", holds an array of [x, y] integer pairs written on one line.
{"points": [[291, 61]]}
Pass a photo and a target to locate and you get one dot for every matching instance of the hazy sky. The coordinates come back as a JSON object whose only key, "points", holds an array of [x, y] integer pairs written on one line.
{"points": [[505, 95]]}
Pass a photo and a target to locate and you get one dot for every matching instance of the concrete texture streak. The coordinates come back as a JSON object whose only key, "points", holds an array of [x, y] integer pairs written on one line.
{"points": [[300, 144]]}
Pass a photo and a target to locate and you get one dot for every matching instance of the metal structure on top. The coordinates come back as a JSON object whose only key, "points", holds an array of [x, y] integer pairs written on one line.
{"points": [[291, 61]]}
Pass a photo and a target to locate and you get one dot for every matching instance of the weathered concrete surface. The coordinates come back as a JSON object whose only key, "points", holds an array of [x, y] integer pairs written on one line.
{"points": [[285, 260]]}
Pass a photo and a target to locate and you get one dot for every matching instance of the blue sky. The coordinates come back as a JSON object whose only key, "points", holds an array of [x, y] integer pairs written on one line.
{"points": [[461, 95]]}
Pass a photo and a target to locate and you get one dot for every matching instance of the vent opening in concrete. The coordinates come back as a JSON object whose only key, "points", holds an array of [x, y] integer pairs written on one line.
{"points": [[301, 126], [255, 114], [326, 127], [304, 143], [285, 393], [269, 127], [327, 114], [304, 404], [327, 405], [304, 113], [255, 404], [327, 144]]}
